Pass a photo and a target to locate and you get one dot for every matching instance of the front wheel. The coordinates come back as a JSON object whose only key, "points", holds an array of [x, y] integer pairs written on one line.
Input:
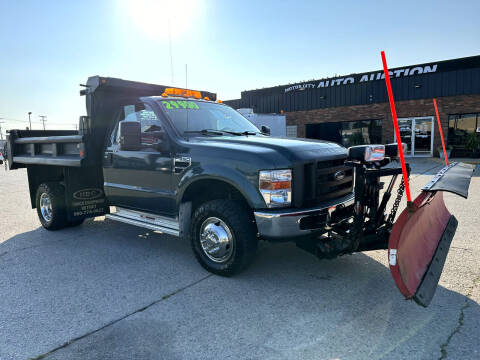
{"points": [[50, 202], [223, 236]]}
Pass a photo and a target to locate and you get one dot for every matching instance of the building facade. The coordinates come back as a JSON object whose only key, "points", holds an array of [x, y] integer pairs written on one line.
{"points": [[354, 109]]}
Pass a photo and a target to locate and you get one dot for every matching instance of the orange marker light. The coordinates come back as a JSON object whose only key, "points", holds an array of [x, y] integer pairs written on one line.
{"points": [[164, 95], [183, 92], [278, 185], [206, 98], [219, 101]]}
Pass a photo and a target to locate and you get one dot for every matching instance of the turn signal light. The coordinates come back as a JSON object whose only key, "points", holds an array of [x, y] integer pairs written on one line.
{"points": [[268, 185], [276, 187]]}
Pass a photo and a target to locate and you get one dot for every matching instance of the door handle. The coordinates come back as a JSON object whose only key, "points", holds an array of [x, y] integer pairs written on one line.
{"points": [[107, 157], [180, 163]]}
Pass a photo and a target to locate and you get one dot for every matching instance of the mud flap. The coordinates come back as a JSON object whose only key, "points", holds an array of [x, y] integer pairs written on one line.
{"points": [[421, 236]]}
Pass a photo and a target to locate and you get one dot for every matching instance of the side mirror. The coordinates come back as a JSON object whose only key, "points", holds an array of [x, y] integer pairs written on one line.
{"points": [[130, 135], [265, 130]]}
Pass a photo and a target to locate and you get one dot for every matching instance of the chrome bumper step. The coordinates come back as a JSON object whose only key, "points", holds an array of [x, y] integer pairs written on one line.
{"points": [[146, 220]]}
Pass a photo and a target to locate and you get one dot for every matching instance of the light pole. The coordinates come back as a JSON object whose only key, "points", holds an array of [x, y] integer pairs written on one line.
{"points": [[30, 120], [1, 133]]}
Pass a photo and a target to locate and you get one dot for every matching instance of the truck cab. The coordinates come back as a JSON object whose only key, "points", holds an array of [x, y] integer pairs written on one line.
{"points": [[168, 158]]}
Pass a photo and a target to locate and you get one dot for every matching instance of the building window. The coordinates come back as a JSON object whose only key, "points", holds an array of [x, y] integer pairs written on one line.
{"points": [[361, 132], [347, 133], [461, 126]]}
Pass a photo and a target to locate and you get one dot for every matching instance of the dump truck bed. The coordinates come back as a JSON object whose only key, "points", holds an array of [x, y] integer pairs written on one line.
{"points": [[60, 156], [39, 147]]}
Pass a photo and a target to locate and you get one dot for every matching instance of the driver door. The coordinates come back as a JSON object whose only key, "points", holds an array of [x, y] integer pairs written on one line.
{"points": [[140, 179]]}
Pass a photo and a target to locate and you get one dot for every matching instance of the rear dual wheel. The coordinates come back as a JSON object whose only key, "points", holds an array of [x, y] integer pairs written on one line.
{"points": [[51, 208]]}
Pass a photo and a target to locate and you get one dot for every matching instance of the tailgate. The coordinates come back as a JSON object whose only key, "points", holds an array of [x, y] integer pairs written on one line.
{"points": [[60, 148]]}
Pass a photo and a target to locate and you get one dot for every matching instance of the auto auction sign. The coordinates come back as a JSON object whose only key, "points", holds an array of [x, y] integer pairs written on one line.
{"points": [[366, 77]]}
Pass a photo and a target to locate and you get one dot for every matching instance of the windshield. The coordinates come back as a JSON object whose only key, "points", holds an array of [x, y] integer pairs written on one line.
{"points": [[191, 116]]}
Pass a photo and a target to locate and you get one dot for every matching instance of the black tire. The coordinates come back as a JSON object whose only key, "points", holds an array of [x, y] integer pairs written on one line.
{"points": [[57, 218], [240, 223], [77, 222]]}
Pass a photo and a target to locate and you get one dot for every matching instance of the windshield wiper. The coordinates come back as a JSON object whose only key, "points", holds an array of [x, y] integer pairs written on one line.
{"points": [[250, 132], [220, 132], [239, 133], [204, 132]]}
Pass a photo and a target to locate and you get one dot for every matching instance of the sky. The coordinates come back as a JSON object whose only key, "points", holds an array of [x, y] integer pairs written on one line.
{"points": [[48, 48]]}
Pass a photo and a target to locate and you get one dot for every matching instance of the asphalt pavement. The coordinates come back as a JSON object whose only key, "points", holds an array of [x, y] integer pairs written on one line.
{"points": [[107, 290]]}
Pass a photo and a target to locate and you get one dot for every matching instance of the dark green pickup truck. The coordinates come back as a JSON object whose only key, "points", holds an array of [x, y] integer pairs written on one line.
{"points": [[179, 162]]}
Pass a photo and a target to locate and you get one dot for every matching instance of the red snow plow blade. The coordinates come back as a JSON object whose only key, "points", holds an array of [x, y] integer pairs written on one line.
{"points": [[421, 236]]}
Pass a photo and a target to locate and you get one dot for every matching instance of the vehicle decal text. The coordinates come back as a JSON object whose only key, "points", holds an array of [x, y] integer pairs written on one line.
{"points": [[180, 104]]}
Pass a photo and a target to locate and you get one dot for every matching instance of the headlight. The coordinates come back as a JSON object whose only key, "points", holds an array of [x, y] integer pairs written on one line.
{"points": [[366, 153], [374, 153], [276, 187], [391, 150]]}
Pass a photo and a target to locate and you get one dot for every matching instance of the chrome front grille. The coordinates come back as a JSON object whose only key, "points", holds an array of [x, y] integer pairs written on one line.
{"points": [[326, 180]]}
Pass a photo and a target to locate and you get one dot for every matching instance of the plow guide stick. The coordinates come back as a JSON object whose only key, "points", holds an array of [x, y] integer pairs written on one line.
{"points": [[397, 130], [420, 238], [440, 131]]}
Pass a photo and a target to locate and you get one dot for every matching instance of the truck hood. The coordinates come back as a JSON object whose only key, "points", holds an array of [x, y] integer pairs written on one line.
{"points": [[281, 151]]}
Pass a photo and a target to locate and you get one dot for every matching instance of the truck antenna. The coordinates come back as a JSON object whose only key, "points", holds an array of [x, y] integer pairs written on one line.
{"points": [[170, 47]]}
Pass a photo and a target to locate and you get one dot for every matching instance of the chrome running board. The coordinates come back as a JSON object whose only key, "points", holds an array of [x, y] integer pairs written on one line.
{"points": [[145, 220]]}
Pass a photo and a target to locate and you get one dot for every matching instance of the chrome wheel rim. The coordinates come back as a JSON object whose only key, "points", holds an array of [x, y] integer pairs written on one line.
{"points": [[46, 207], [216, 240]]}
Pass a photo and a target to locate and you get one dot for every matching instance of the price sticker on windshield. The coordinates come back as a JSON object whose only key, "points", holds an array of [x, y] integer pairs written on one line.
{"points": [[180, 104]]}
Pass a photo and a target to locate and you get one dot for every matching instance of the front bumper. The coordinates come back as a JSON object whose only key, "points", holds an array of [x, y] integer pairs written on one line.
{"points": [[286, 224]]}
